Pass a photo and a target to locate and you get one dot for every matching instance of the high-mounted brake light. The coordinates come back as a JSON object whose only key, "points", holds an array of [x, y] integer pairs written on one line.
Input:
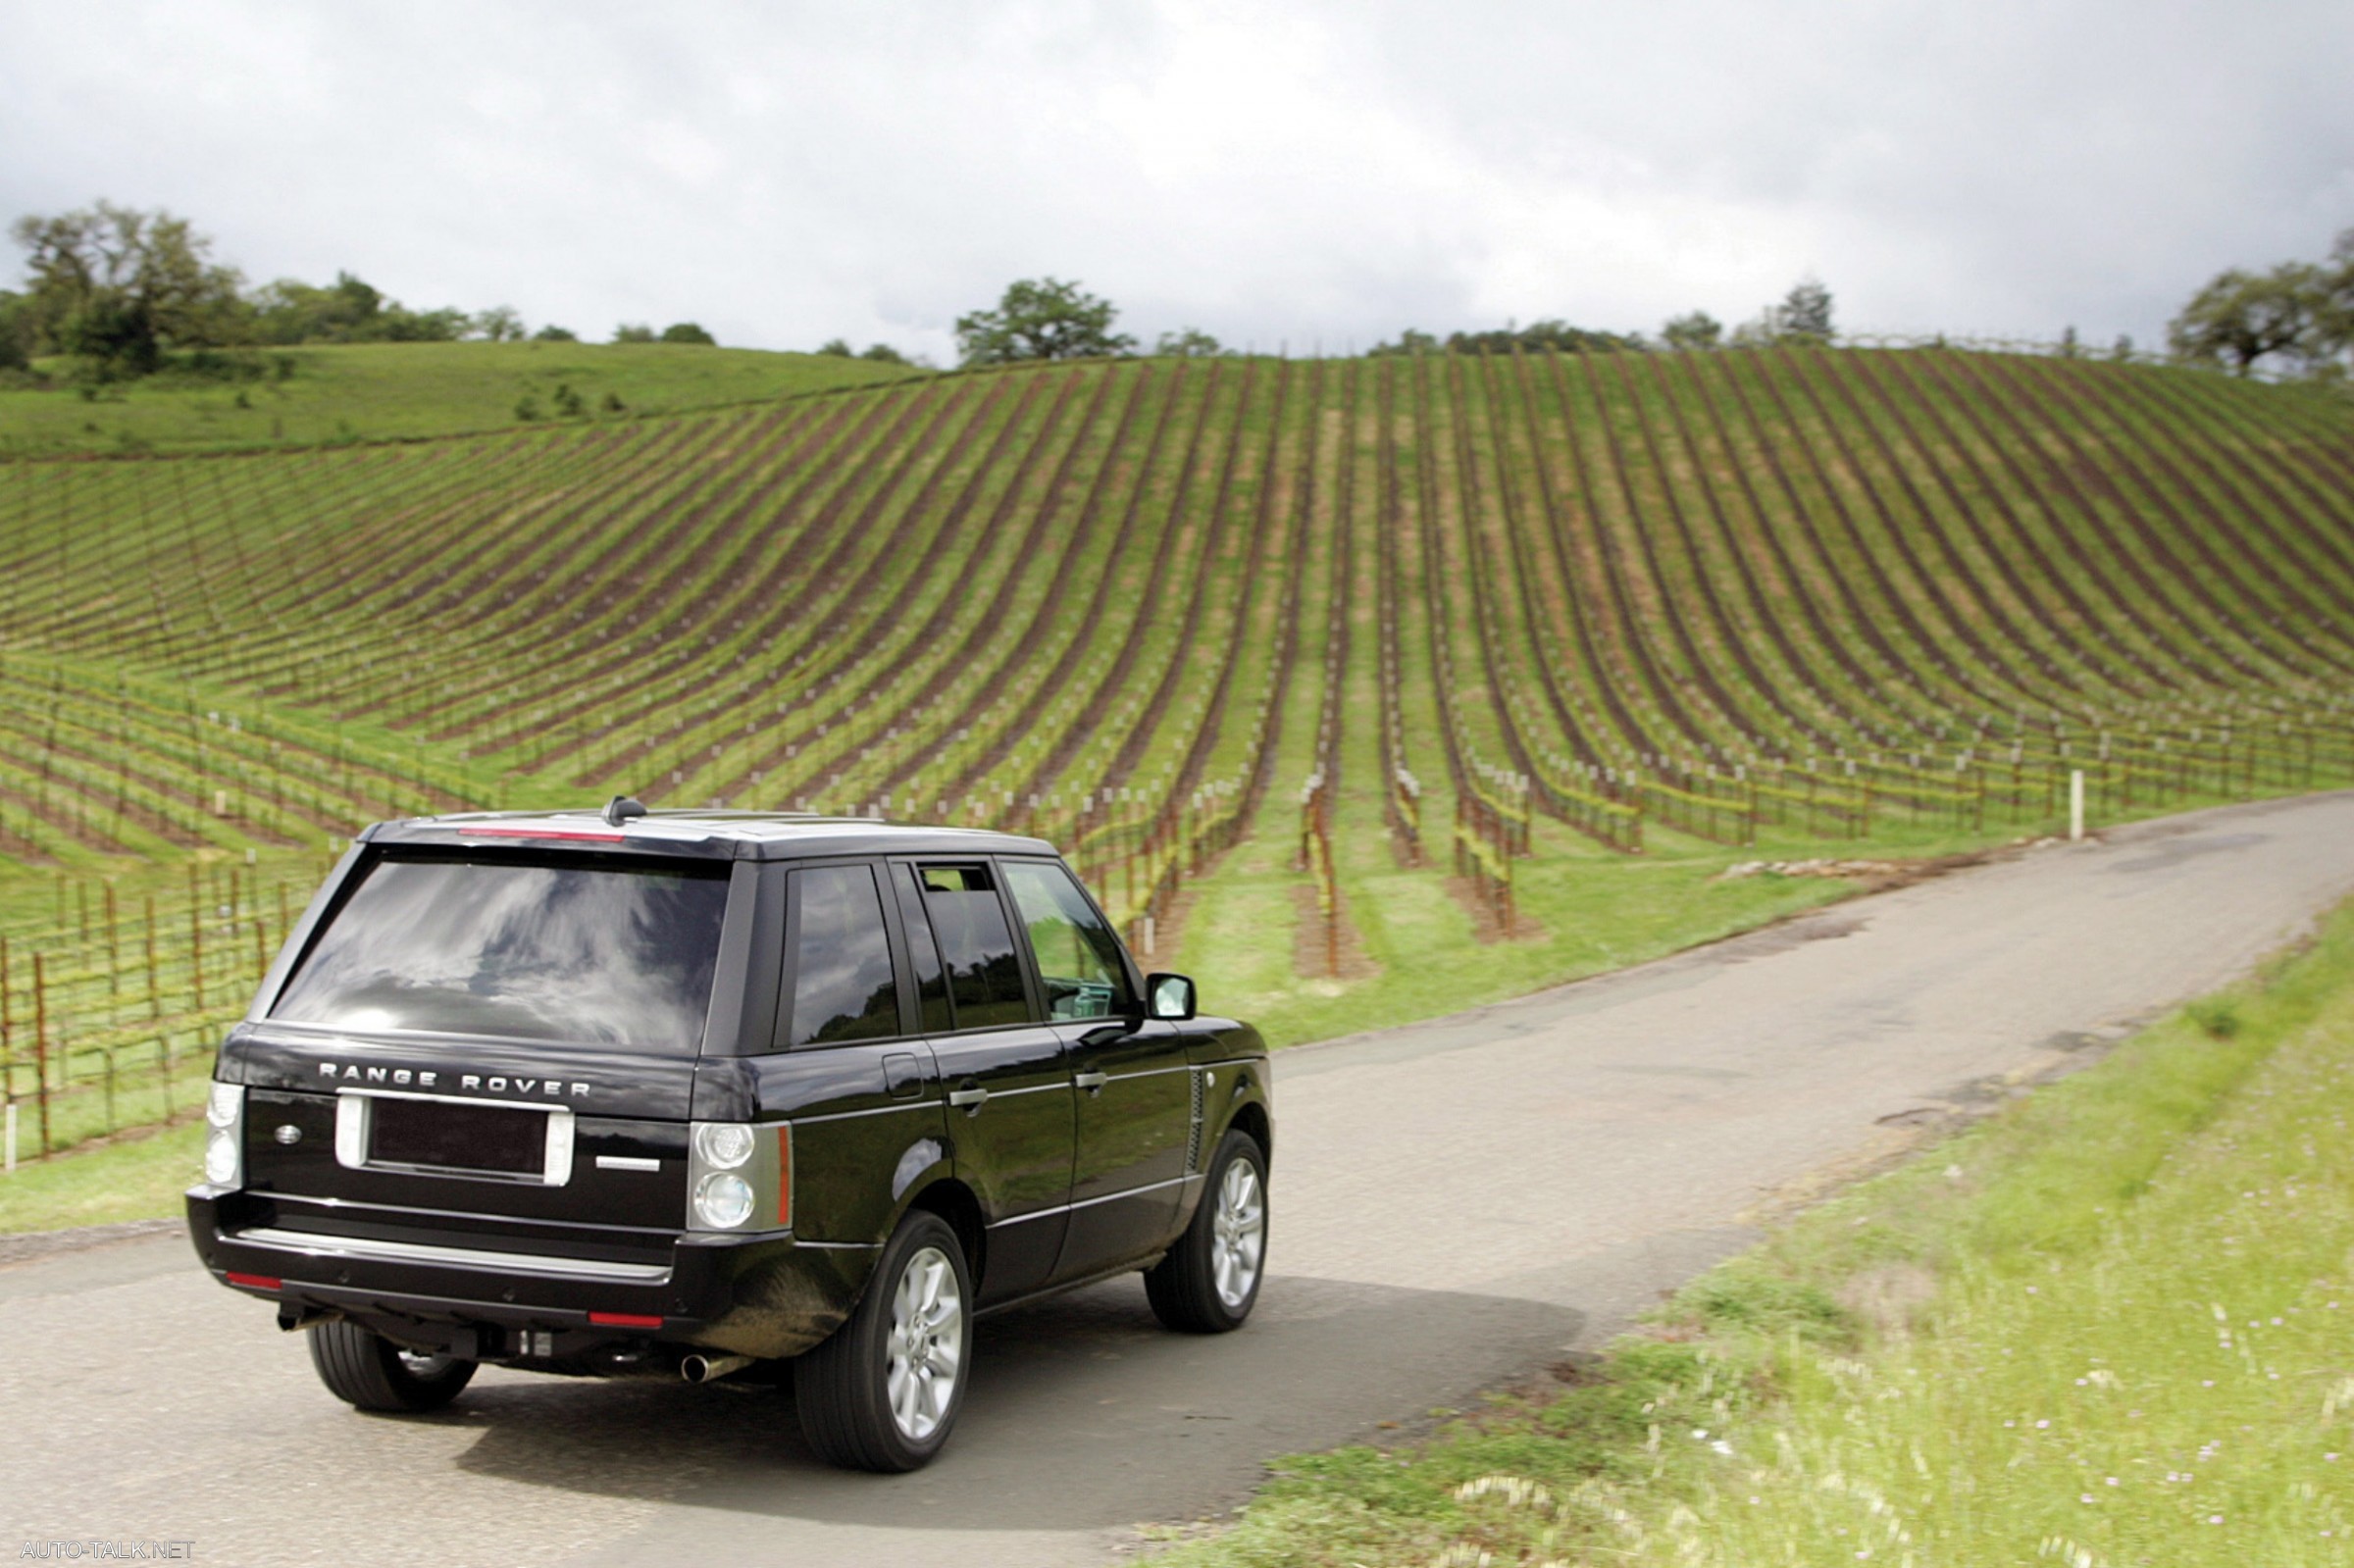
{"points": [[544, 833], [624, 1319], [256, 1282]]}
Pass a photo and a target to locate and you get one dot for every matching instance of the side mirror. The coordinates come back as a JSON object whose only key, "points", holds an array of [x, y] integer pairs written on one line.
{"points": [[1170, 997]]}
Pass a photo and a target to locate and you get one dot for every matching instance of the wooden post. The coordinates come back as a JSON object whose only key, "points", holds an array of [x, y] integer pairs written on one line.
{"points": [[40, 1045], [196, 951], [8, 1029], [2075, 805], [113, 951]]}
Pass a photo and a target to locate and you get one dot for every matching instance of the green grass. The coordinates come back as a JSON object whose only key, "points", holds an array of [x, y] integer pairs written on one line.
{"points": [[376, 391], [1583, 911], [134, 1178], [2108, 1326]]}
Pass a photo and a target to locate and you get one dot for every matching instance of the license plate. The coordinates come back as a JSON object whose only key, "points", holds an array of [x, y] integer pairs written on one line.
{"points": [[458, 1137], [444, 1136]]}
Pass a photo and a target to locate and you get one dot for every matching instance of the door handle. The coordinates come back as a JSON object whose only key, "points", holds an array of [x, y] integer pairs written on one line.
{"points": [[1093, 1082], [971, 1099]]}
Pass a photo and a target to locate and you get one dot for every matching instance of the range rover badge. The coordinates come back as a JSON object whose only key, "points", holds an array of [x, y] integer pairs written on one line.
{"points": [[288, 1132]]}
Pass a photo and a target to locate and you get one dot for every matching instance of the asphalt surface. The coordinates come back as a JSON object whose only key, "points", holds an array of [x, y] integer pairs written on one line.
{"points": [[1455, 1205]]}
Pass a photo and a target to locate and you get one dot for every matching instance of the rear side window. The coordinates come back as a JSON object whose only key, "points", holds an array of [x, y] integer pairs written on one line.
{"points": [[930, 983], [842, 986], [563, 948], [984, 976]]}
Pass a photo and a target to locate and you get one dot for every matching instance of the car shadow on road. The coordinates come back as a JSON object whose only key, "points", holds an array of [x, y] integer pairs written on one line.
{"points": [[1083, 1412]]}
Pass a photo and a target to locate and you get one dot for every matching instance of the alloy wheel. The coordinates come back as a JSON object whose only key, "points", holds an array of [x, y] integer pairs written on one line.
{"points": [[1238, 1233], [927, 1341]]}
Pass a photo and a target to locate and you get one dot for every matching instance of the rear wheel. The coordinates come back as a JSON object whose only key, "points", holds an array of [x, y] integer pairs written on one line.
{"points": [[1209, 1282], [882, 1392], [369, 1372]]}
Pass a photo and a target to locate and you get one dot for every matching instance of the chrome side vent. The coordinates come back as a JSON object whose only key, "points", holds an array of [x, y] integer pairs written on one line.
{"points": [[1192, 1131]]}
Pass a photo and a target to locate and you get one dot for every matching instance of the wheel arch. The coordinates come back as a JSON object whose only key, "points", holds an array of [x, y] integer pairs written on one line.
{"points": [[1251, 1117], [953, 1201]]}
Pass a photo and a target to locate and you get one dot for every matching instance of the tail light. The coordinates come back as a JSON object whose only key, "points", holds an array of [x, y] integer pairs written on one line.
{"points": [[224, 1135], [737, 1172]]}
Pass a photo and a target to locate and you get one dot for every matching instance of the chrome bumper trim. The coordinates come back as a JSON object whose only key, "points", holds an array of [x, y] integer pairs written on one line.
{"points": [[463, 1258]]}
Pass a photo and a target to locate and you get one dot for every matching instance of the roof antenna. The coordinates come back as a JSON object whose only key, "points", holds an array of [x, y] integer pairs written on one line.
{"points": [[621, 808]]}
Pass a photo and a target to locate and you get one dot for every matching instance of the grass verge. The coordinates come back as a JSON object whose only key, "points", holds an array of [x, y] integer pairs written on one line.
{"points": [[135, 1176], [2113, 1324]]}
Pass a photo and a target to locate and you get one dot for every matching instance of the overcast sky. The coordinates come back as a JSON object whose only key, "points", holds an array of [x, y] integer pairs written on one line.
{"points": [[1304, 173]]}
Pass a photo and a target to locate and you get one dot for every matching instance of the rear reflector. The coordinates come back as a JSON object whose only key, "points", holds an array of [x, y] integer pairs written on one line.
{"points": [[544, 833], [624, 1319], [256, 1282]]}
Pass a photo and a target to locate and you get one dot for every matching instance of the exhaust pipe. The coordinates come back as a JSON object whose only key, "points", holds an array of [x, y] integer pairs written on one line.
{"points": [[711, 1368]]}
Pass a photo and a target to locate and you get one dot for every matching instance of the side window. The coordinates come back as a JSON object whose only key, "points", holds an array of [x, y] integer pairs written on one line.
{"points": [[984, 976], [931, 985], [1078, 957], [842, 988]]}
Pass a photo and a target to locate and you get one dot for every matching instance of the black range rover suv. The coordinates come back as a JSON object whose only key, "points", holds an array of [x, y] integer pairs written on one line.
{"points": [[698, 1093]]}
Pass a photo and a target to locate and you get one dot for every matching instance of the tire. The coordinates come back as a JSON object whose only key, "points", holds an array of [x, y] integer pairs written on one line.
{"points": [[883, 1392], [1209, 1280], [369, 1372]]}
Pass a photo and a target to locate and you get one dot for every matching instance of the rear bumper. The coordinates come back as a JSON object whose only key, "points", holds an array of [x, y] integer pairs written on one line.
{"points": [[762, 1296]]}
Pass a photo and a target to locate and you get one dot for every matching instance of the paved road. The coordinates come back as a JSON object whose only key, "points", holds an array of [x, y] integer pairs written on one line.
{"points": [[1455, 1202]]}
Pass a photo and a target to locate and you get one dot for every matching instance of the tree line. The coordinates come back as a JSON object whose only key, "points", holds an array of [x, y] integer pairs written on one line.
{"points": [[126, 294], [1049, 319]]}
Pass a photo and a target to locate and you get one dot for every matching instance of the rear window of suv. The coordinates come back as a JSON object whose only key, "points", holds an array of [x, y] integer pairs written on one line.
{"points": [[561, 948]]}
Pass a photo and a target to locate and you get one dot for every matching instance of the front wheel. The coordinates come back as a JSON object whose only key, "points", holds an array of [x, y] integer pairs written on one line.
{"points": [[369, 1372], [882, 1392], [1209, 1280]]}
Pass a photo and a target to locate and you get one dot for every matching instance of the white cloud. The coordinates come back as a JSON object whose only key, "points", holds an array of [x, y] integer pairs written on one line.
{"points": [[1304, 173]]}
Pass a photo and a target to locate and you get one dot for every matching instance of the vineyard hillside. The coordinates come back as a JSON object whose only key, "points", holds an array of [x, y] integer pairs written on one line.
{"points": [[1362, 689]]}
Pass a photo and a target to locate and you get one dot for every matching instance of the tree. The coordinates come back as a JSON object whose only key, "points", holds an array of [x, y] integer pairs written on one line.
{"points": [[2239, 317], [290, 310], [553, 334], [350, 310], [633, 332], [2333, 319], [498, 324], [1805, 313], [1041, 318], [883, 354], [1693, 330], [122, 287], [686, 333], [16, 332], [1802, 318], [837, 346], [1414, 340], [1189, 342]]}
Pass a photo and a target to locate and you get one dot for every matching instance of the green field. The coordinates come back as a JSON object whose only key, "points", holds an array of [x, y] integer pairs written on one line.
{"points": [[2107, 1327], [316, 393], [1362, 689]]}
